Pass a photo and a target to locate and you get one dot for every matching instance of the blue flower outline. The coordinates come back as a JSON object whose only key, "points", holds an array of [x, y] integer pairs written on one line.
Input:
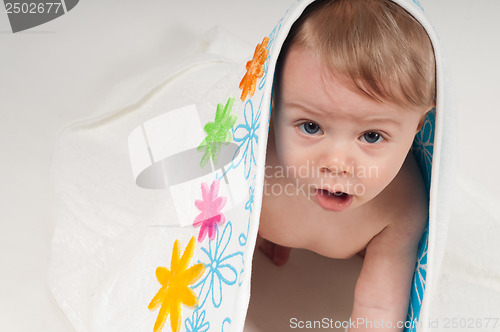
{"points": [[272, 38], [197, 322], [246, 135], [423, 147], [418, 282], [217, 263], [226, 320], [242, 238]]}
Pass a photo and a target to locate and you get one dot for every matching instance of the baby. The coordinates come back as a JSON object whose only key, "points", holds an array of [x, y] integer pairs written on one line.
{"points": [[354, 82]]}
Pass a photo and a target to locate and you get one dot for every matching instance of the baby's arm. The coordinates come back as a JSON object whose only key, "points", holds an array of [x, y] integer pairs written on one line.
{"points": [[382, 291]]}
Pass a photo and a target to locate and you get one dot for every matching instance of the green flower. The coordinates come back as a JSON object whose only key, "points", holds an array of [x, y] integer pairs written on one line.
{"points": [[218, 132]]}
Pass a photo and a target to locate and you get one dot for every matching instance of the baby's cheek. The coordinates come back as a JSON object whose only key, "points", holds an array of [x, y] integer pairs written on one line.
{"points": [[287, 156], [379, 180], [281, 150], [365, 180]]}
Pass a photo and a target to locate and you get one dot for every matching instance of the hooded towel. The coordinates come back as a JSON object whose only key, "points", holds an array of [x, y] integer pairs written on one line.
{"points": [[159, 198]]}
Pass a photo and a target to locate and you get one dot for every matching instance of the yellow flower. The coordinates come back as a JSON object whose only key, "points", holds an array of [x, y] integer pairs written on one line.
{"points": [[255, 69], [175, 287]]}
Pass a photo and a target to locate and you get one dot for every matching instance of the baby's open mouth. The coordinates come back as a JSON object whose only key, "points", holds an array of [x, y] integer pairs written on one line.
{"points": [[336, 193], [335, 201]]}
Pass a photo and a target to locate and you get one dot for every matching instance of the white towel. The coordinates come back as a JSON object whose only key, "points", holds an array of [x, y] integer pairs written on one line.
{"points": [[112, 234]]}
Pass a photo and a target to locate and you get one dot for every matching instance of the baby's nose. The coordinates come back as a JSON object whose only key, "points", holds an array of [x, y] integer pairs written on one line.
{"points": [[336, 166], [337, 161]]}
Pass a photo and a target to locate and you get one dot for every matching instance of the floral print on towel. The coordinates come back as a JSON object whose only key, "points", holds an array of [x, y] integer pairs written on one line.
{"points": [[175, 287], [218, 132], [246, 135], [197, 322], [211, 214], [255, 69], [221, 264]]}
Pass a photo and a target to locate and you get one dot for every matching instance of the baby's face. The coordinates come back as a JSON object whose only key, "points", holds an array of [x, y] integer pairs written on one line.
{"points": [[340, 147]]}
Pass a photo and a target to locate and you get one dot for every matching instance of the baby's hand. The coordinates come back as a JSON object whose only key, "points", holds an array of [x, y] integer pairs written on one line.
{"points": [[278, 254]]}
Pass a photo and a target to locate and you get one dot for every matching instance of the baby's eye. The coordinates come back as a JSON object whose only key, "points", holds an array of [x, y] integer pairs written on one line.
{"points": [[372, 137], [310, 128]]}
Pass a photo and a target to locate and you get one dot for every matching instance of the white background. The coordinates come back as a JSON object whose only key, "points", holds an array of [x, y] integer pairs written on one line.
{"points": [[62, 70]]}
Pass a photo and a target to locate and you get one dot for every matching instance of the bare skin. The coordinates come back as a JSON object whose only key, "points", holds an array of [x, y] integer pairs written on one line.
{"points": [[384, 222]]}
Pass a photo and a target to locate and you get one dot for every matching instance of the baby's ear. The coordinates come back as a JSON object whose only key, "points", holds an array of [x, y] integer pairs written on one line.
{"points": [[422, 119], [421, 123]]}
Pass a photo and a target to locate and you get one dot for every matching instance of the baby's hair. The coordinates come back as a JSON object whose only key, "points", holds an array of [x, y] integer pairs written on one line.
{"points": [[375, 47]]}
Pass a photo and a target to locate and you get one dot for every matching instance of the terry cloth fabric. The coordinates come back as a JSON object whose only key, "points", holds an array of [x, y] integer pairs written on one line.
{"points": [[183, 208]]}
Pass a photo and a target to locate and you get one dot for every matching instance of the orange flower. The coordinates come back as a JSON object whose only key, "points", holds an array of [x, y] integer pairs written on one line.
{"points": [[255, 69], [175, 287]]}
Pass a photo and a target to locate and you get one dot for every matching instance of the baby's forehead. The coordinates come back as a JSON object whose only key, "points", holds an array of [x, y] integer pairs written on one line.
{"points": [[303, 63]]}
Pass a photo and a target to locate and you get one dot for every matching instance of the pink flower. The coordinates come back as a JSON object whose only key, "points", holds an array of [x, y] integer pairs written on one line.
{"points": [[211, 211]]}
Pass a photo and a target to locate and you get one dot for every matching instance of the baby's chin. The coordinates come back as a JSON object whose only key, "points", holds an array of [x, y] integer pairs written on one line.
{"points": [[279, 237]]}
